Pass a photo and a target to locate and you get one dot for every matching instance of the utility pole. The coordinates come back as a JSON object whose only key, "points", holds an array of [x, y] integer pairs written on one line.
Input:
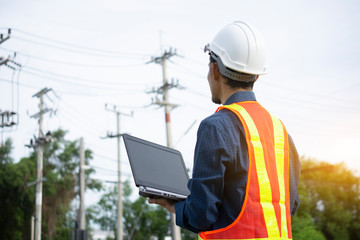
{"points": [[80, 233], [5, 116], [82, 185], [7, 119], [32, 227], [118, 136], [175, 230], [2, 39], [40, 145]]}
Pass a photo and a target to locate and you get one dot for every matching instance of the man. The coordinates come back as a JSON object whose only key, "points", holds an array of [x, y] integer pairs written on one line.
{"points": [[246, 168]]}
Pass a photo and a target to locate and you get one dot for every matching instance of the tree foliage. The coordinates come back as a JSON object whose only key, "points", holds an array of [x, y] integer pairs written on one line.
{"points": [[330, 202], [140, 220], [17, 201], [329, 209]]}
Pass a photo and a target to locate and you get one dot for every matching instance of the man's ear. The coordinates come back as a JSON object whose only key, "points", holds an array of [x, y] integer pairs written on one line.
{"points": [[215, 71]]}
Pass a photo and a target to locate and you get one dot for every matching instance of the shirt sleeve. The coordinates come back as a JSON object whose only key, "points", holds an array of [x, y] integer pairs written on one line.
{"points": [[201, 208], [294, 176]]}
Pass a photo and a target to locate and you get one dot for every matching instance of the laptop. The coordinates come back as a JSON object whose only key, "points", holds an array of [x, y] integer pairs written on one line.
{"points": [[158, 171]]}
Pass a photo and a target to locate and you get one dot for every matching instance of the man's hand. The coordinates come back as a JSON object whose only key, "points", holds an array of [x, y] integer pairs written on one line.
{"points": [[163, 202]]}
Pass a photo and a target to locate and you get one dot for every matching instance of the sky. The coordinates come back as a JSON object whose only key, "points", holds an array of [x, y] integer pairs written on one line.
{"points": [[95, 52]]}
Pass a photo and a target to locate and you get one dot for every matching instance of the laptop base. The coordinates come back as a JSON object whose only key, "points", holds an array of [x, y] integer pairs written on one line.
{"points": [[152, 193]]}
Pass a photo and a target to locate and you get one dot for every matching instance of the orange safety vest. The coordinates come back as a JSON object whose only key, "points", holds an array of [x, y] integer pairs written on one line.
{"points": [[265, 213]]}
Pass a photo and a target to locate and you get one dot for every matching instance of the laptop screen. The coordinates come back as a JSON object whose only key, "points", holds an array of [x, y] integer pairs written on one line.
{"points": [[156, 166]]}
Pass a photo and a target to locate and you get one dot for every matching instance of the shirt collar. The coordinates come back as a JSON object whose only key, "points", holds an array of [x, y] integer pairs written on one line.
{"points": [[241, 96]]}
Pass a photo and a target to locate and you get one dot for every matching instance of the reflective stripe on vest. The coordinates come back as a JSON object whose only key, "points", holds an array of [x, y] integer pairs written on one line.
{"points": [[266, 209]]}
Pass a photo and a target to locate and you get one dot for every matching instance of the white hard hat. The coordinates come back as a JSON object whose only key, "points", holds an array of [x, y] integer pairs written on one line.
{"points": [[240, 48]]}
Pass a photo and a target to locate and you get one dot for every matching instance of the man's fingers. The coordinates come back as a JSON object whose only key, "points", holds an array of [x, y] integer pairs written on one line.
{"points": [[163, 202], [159, 201], [152, 200]]}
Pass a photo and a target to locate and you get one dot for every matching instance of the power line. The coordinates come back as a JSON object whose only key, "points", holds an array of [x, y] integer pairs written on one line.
{"points": [[107, 180], [110, 159], [80, 116], [189, 71], [310, 104], [21, 84], [62, 48], [80, 46], [185, 103], [80, 79], [74, 64], [105, 157], [320, 96], [297, 91], [106, 54], [110, 171], [79, 124], [72, 83], [75, 50], [62, 91], [194, 61]]}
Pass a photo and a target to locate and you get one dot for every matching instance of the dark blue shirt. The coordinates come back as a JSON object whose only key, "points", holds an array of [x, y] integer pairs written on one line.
{"points": [[218, 184]]}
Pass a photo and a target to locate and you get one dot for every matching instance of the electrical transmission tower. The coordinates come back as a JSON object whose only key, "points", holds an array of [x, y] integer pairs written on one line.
{"points": [[164, 90]]}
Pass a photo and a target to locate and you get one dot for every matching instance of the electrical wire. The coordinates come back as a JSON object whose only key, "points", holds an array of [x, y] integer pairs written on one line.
{"points": [[122, 53], [75, 64], [110, 171], [200, 107], [194, 61], [319, 96], [110, 159], [328, 96], [80, 121], [79, 116], [187, 70], [117, 90], [78, 51], [63, 92], [112, 84], [79, 46], [20, 84], [79, 124]]}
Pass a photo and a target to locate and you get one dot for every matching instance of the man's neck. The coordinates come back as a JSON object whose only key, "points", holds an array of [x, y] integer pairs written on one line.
{"points": [[228, 92]]}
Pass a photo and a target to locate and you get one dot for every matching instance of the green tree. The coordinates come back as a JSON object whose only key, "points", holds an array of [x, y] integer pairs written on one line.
{"points": [[17, 201], [104, 212], [188, 235], [141, 221], [304, 228], [330, 201]]}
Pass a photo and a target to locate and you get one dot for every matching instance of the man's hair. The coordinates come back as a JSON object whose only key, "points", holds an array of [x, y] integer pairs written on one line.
{"points": [[234, 83]]}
